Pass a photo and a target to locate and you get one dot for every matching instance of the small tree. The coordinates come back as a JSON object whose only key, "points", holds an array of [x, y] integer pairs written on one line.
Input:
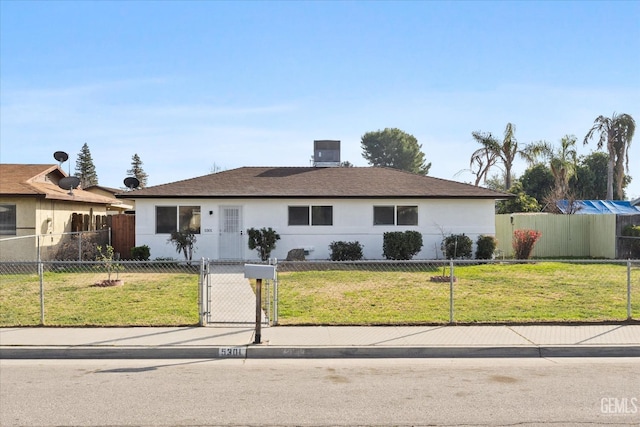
{"points": [[184, 241], [524, 241], [106, 257], [264, 240], [457, 246]]}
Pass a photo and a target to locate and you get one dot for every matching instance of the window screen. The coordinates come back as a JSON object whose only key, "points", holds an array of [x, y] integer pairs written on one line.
{"points": [[383, 215], [298, 215], [407, 215], [8, 220], [322, 215]]}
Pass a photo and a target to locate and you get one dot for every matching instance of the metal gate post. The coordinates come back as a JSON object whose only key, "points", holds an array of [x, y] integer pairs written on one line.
{"points": [[203, 291], [628, 289], [450, 291], [41, 278]]}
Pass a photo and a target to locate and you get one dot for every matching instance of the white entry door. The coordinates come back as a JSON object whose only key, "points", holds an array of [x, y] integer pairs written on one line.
{"points": [[231, 233]]}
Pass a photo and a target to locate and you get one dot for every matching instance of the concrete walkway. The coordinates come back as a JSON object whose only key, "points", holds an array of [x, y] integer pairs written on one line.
{"points": [[610, 340], [232, 300]]}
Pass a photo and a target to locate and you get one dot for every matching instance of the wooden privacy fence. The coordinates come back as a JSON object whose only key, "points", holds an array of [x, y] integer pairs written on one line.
{"points": [[123, 234], [123, 229]]}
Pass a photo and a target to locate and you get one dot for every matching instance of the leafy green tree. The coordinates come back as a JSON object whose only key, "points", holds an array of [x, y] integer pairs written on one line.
{"points": [[395, 149], [85, 169], [537, 181], [563, 162], [494, 151], [616, 132], [587, 184], [521, 203], [137, 171]]}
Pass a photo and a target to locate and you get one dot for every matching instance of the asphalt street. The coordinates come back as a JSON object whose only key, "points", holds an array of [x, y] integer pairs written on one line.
{"points": [[529, 392]]}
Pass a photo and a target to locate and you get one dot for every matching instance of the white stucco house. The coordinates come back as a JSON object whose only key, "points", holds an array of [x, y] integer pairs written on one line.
{"points": [[309, 207]]}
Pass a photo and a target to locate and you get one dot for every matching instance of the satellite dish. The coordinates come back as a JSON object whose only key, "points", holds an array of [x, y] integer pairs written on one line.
{"points": [[61, 156], [131, 182], [69, 183]]}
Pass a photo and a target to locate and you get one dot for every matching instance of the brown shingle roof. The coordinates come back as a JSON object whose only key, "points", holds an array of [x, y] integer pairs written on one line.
{"points": [[314, 182], [40, 180]]}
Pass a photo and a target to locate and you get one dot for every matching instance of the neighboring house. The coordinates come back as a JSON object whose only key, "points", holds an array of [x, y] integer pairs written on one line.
{"points": [[119, 206], [32, 204], [309, 207]]}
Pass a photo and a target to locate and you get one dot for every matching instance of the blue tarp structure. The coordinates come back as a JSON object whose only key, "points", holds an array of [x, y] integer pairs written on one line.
{"points": [[595, 207]]}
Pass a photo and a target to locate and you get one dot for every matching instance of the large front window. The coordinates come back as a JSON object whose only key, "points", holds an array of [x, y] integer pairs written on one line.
{"points": [[317, 215], [177, 218], [7, 220]]}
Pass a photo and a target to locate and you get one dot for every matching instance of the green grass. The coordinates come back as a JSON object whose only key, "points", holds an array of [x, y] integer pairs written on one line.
{"points": [[146, 299], [488, 293]]}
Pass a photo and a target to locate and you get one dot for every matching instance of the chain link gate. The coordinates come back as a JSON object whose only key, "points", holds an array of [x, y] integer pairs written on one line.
{"points": [[226, 298]]}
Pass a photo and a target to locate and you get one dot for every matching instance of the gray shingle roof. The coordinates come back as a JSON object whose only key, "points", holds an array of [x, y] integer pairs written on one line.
{"points": [[314, 182]]}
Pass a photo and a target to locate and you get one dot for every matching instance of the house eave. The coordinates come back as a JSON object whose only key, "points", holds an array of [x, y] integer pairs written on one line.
{"points": [[327, 196]]}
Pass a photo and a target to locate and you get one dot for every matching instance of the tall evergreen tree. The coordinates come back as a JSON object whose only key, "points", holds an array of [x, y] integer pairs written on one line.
{"points": [[85, 169], [137, 171]]}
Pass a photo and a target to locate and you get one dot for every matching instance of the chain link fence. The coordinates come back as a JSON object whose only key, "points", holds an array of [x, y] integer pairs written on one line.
{"points": [[177, 293], [72, 246], [96, 293], [437, 292]]}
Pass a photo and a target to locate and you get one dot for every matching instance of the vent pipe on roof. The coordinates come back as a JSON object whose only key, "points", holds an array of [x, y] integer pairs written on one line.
{"points": [[326, 153]]}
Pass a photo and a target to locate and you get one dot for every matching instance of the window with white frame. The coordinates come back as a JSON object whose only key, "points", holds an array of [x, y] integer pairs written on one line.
{"points": [[395, 215], [177, 218], [8, 220], [314, 215]]}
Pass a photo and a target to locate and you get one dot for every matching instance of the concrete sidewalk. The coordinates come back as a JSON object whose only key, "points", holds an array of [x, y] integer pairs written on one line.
{"points": [[611, 340]]}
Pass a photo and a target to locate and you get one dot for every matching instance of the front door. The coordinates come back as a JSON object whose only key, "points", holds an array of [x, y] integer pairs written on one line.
{"points": [[231, 233]]}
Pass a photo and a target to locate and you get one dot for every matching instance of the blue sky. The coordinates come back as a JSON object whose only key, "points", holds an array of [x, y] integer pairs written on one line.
{"points": [[189, 85]]}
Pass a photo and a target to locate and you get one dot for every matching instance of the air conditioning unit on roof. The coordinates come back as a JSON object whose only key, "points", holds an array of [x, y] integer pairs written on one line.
{"points": [[326, 153]]}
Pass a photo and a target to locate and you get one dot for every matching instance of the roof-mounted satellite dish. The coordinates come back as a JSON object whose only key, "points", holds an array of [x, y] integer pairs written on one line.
{"points": [[69, 183], [131, 182], [61, 156]]}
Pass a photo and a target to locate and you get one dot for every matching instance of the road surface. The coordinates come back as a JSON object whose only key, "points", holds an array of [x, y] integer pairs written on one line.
{"points": [[320, 392]]}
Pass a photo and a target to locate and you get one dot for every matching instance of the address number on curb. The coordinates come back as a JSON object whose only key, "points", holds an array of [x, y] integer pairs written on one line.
{"points": [[232, 352]]}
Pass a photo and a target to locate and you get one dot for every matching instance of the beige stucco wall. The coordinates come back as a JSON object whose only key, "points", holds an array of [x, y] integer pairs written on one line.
{"points": [[42, 221]]}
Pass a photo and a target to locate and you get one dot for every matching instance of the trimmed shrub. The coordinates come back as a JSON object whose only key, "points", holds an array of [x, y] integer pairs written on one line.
{"points": [[457, 246], [523, 242], [141, 253], [401, 245], [264, 240], [345, 251], [485, 246]]}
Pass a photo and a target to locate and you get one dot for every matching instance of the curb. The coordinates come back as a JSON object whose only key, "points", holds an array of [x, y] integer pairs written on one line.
{"points": [[311, 352]]}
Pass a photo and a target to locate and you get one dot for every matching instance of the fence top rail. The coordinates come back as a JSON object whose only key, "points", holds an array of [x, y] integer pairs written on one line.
{"points": [[329, 262], [461, 261]]}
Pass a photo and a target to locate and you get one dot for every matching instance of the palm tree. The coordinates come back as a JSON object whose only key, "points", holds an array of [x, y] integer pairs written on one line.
{"points": [[493, 151], [563, 163], [617, 132]]}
